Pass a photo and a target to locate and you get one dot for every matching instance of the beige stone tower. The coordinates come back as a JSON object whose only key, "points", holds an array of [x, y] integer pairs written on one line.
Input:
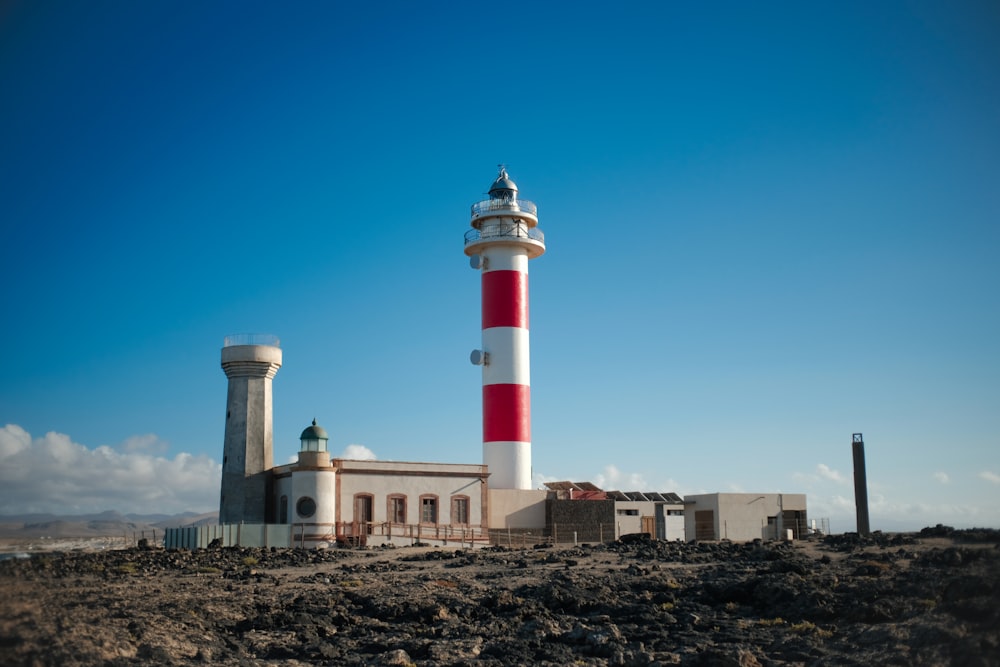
{"points": [[250, 362]]}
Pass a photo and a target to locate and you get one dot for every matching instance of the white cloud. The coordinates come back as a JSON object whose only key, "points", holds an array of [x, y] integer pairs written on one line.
{"points": [[823, 472], [942, 477], [608, 479], [990, 476], [144, 443], [636, 482], [358, 453], [826, 472], [53, 474], [538, 480], [13, 439]]}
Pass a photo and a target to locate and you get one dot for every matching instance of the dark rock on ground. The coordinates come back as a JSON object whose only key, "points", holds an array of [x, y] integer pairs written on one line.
{"points": [[927, 599]]}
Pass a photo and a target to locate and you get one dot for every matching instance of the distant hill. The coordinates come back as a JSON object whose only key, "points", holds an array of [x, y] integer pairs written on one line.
{"points": [[104, 524]]}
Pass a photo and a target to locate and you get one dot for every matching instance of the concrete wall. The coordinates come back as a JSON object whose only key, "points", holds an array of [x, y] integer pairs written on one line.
{"points": [[517, 509], [230, 535], [673, 524], [381, 479], [320, 486], [629, 515], [282, 486], [743, 517]]}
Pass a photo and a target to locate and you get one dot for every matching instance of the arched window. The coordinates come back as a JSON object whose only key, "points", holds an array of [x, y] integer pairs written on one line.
{"points": [[460, 510], [395, 510], [428, 509]]}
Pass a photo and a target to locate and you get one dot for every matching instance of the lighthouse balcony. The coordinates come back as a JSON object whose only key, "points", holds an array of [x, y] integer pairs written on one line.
{"points": [[519, 208], [506, 231]]}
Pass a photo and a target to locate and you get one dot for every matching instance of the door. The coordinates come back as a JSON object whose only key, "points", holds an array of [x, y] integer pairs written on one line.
{"points": [[363, 515], [704, 525], [649, 525]]}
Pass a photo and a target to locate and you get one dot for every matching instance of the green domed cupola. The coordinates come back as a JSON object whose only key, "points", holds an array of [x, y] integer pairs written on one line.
{"points": [[314, 438]]}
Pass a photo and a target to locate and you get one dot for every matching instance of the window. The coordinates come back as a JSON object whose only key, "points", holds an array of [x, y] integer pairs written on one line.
{"points": [[628, 512], [283, 510], [306, 507], [460, 510], [397, 509], [675, 512], [428, 509]]}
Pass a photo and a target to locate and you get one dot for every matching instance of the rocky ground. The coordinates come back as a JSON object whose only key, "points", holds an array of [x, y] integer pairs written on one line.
{"points": [[925, 599]]}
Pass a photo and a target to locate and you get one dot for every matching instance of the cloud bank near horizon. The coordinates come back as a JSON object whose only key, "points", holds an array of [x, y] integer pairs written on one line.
{"points": [[53, 474]]}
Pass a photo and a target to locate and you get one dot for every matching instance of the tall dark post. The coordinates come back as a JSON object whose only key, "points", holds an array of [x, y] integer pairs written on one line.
{"points": [[860, 484]]}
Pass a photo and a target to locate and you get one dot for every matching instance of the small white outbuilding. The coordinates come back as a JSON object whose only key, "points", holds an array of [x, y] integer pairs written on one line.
{"points": [[743, 517]]}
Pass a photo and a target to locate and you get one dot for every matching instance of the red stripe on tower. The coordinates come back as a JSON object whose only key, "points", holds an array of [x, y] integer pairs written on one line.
{"points": [[506, 413], [505, 299]]}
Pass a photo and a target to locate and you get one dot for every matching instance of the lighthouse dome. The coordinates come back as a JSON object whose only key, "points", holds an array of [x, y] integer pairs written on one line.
{"points": [[503, 187], [314, 432]]}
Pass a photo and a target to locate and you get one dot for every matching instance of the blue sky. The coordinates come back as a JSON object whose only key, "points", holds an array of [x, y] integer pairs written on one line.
{"points": [[768, 227]]}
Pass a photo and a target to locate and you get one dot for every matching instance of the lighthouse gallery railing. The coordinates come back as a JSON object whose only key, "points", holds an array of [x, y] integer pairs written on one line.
{"points": [[492, 205], [504, 230]]}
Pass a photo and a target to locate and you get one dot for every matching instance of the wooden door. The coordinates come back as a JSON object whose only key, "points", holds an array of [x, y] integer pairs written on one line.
{"points": [[704, 525], [363, 513]]}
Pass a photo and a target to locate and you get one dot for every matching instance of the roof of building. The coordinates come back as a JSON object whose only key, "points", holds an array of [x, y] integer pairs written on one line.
{"points": [[571, 486], [646, 496], [626, 496]]}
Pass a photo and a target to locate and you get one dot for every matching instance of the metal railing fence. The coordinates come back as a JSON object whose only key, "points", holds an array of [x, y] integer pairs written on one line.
{"points": [[504, 230], [491, 205], [251, 339]]}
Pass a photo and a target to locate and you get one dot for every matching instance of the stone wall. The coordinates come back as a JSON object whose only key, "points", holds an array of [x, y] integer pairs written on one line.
{"points": [[590, 520]]}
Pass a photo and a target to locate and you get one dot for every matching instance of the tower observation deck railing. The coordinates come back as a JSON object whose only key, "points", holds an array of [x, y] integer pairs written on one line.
{"points": [[492, 205], [251, 339], [500, 230]]}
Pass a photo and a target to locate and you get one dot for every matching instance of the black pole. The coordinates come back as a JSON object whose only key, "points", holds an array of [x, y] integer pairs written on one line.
{"points": [[860, 484]]}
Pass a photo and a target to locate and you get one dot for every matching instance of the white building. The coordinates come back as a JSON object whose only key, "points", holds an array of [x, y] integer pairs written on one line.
{"points": [[743, 517], [376, 502], [659, 515]]}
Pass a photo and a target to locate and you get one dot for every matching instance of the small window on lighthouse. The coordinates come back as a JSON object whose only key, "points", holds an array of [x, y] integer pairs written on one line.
{"points": [[306, 507]]}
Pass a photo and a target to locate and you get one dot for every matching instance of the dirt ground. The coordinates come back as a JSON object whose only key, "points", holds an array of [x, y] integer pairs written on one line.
{"points": [[910, 600]]}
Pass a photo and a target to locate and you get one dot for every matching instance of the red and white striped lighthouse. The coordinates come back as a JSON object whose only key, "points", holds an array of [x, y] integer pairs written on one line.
{"points": [[504, 236]]}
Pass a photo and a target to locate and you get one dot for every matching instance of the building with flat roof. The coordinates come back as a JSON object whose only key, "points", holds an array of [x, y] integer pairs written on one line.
{"points": [[743, 517]]}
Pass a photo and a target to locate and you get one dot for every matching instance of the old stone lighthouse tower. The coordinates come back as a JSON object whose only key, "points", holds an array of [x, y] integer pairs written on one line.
{"points": [[250, 363]]}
